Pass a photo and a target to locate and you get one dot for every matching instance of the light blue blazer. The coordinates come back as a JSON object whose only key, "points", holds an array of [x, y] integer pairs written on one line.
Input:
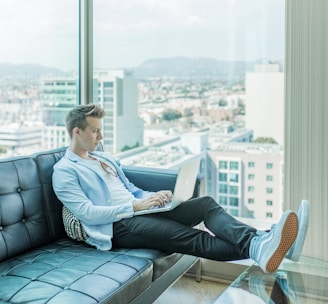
{"points": [[81, 189]]}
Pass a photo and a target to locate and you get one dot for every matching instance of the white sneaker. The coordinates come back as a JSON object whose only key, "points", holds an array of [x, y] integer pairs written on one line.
{"points": [[268, 249], [303, 215]]}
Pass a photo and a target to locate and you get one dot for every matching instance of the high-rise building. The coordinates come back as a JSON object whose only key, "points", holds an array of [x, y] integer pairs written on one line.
{"points": [[58, 96], [265, 102], [117, 94]]}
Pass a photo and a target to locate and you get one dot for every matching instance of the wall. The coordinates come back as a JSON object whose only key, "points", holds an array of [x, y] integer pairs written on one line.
{"points": [[306, 117]]}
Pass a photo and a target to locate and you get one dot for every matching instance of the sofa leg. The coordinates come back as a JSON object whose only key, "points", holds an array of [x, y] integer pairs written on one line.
{"points": [[198, 268]]}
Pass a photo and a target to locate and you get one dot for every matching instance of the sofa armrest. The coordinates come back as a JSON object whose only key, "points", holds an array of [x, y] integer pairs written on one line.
{"points": [[156, 179]]}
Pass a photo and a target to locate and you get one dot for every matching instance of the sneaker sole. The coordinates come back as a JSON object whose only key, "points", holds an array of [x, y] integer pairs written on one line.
{"points": [[303, 222], [287, 238]]}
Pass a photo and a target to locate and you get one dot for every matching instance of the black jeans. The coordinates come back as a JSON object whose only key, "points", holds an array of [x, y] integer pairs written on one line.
{"points": [[173, 231]]}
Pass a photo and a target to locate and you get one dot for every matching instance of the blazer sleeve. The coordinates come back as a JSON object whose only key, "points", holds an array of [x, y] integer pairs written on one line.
{"points": [[97, 211]]}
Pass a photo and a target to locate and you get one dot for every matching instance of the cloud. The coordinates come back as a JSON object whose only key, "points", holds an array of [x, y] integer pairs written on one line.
{"points": [[195, 20]]}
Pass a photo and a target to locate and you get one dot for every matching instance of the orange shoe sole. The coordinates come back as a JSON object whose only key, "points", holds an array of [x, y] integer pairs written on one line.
{"points": [[288, 236]]}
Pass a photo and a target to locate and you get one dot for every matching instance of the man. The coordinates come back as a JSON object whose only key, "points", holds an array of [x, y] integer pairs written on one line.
{"points": [[94, 188]]}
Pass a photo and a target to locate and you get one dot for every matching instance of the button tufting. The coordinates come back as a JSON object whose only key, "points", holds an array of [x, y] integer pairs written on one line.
{"points": [[19, 189], [1, 228], [23, 220], [66, 287]]}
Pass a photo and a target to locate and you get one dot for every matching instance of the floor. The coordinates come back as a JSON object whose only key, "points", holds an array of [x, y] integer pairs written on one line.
{"points": [[187, 291], [305, 282]]}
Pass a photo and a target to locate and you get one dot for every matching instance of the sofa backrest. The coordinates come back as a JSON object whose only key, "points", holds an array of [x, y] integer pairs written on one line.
{"points": [[30, 214], [53, 207]]}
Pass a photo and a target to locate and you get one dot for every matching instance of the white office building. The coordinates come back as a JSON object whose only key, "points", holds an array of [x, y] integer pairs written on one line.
{"points": [[265, 102], [247, 179], [117, 94]]}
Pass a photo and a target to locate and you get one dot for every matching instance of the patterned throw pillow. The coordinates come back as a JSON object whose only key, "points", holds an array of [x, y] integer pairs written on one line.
{"points": [[73, 226]]}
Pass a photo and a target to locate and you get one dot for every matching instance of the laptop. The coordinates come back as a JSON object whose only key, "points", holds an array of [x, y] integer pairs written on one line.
{"points": [[183, 189]]}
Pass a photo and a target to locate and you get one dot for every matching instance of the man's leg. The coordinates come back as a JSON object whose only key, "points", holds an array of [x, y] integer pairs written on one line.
{"points": [[149, 231], [216, 219], [267, 249]]}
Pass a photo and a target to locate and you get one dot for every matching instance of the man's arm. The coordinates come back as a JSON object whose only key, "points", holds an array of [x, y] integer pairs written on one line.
{"points": [[76, 191]]}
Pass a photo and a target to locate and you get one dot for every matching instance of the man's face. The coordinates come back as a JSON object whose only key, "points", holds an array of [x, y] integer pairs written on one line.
{"points": [[90, 137]]}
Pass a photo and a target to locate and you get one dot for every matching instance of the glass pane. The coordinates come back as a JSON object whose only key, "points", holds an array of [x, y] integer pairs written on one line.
{"points": [[223, 200], [38, 73], [222, 177], [233, 177], [234, 201], [234, 166], [223, 165], [233, 190], [223, 188], [197, 77]]}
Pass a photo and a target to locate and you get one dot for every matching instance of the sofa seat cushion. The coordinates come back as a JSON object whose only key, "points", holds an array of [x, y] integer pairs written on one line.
{"points": [[72, 272], [162, 261]]}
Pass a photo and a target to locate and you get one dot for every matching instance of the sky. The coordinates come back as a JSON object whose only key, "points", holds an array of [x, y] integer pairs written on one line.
{"points": [[128, 32]]}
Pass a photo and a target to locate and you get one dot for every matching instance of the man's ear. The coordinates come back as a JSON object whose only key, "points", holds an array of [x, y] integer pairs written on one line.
{"points": [[76, 130]]}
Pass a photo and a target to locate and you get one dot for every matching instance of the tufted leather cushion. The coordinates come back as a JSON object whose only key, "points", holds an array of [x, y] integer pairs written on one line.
{"points": [[162, 261], [53, 207], [71, 272], [23, 222]]}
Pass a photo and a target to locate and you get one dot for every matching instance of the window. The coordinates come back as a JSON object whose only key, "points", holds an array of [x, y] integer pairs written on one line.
{"points": [[269, 165], [251, 188], [234, 165], [151, 59], [233, 177], [234, 212], [250, 214], [223, 177], [234, 201], [223, 200], [269, 215], [223, 188], [233, 190], [269, 178], [251, 176], [251, 201], [251, 165], [223, 164], [269, 190], [269, 203], [40, 41]]}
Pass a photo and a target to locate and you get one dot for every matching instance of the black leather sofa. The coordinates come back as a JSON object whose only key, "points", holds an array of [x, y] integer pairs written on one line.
{"points": [[40, 264]]}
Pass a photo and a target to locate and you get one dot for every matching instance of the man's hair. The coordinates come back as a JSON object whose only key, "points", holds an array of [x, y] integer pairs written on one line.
{"points": [[77, 116]]}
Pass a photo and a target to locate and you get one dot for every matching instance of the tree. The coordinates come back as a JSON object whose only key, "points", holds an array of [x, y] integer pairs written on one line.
{"points": [[171, 115], [3, 149], [265, 140], [126, 148]]}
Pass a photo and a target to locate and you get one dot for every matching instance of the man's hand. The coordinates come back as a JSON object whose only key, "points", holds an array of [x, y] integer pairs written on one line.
{"points": [[159, 198]]}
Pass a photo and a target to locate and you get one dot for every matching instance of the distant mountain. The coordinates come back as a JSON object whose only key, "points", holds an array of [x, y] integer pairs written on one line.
{"points": [[28, 70], [180, 67], [194, 68]]}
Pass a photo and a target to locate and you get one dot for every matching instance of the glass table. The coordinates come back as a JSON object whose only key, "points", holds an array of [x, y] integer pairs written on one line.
{"points": [[301, 282]]}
